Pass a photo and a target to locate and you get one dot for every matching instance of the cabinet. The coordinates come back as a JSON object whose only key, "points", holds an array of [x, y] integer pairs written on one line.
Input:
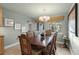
{"points": [[1, 45], [1, 15]]}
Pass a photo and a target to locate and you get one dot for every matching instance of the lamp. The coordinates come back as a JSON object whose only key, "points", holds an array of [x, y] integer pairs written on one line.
{"points": [[44, 18]]}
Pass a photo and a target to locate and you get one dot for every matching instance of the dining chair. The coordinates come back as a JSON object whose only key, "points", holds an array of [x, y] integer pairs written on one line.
{"points": [[53, 45], [48, 32], [51, 48], [31, 34], [26, 46]]}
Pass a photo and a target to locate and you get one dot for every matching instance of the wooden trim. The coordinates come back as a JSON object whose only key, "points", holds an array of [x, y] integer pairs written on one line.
{"points": [[1, 45], [11, 45], [1, 15], [76, 19]]}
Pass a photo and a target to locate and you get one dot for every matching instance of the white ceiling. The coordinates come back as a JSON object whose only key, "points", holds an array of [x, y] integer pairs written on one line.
{"points": [[37, 9]]}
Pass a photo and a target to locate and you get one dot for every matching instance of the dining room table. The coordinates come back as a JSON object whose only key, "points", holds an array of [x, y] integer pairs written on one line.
{"points": [[38, 44]]}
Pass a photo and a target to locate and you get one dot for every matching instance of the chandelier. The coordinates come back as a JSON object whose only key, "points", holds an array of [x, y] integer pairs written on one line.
{"points": [[44, 18]]}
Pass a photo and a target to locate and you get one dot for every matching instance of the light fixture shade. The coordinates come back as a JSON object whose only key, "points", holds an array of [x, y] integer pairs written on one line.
{"points": [[44, 18]]}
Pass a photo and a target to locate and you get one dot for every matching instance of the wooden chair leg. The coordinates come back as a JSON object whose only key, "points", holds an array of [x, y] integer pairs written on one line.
{"points": [[53, 52]]}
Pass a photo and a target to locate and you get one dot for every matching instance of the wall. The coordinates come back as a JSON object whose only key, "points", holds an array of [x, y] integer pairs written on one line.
{"points": [[64, 22], [74, 44], [74, 41], [10, 34], [64, 31]]}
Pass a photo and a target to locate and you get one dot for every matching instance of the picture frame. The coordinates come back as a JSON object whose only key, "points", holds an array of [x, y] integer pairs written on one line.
{"points": [[8, 22], [23, 29], [72, 20], [17, 26]]}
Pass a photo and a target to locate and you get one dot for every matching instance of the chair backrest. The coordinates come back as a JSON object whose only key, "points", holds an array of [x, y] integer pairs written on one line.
{"points": [[48, 32], [53, 45], [51, 48], [25, 45], [31, 35]]}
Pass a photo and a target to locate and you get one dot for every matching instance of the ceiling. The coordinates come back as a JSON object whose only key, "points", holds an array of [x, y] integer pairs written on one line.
{"points": [[34, 10]]}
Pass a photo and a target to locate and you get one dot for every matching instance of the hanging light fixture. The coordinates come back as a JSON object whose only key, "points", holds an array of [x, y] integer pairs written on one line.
{"points": [[44, 18]]}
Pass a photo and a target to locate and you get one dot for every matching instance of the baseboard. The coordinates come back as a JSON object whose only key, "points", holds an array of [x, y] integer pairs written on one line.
{"points": [[59, 42], [71, 51], [11, 45]]}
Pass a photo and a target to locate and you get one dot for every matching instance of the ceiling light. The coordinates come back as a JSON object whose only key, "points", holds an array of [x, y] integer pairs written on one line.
{"points": [[44, 18]]}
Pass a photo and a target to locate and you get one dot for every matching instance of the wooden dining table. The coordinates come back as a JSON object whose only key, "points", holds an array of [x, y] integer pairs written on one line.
{"points": [[37, 43]]}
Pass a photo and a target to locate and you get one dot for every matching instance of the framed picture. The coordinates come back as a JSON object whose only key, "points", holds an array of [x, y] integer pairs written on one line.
{"points": [[72, 18], [17, 26], [23, 29], [8, 22]]}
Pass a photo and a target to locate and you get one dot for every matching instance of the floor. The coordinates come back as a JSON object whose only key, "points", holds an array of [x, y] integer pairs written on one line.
{"points": [[62, 51], [13, 50], [16, 50]]}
